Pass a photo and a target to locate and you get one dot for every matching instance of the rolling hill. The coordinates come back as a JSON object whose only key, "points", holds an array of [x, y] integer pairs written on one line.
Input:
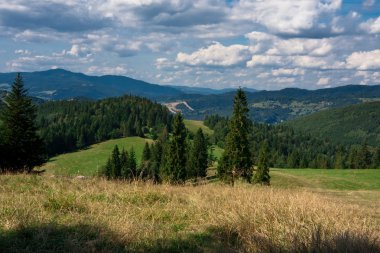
{"points": [[88, 161], [353, 124], [62, 84], [282, 105]]}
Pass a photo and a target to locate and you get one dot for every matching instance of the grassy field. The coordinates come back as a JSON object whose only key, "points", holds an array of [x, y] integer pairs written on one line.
{"points": [[60, 214], [194, 125], [87, 162]]}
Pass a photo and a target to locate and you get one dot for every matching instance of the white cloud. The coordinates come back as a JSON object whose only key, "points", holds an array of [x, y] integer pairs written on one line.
{"points": [[306, 61], [216, 55], [288, 72], [285, 16], [312, 47], [265, 60], [371, 26], [323, 81], [368, 60]]}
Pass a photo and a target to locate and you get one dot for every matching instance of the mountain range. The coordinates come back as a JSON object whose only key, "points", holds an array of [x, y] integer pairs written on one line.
{"points": [[194, 102]]}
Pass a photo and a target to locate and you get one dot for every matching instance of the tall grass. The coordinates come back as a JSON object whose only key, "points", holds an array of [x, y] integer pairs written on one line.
{"points": [[94, 215]]}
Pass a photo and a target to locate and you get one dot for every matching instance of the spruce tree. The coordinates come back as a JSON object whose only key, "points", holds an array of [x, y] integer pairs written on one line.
{"points": [[132, 163], [124, 165], [262, 174], [24, 148], [376, 159], [174, 156], [116, 164], [145, 162], [198, 156], [236, 160], [156, 155], [364, 157]]}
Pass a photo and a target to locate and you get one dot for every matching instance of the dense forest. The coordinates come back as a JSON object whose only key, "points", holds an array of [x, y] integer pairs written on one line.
{"points": [[292, 149], [71, 125], [350, 125]]}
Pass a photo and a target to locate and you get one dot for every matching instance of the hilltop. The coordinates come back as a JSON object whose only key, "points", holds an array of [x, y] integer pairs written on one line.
{"points": [[353, 124]]}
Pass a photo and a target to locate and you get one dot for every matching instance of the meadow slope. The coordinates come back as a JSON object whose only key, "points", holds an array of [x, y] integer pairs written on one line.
{"points": [[60, 214], [88, 161]]}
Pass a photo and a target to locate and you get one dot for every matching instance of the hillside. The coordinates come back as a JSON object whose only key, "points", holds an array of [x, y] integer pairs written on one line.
{"points": [[88, 161], [282, 105], [62, 84], [349, 125], [69, 125], [60, 214]]}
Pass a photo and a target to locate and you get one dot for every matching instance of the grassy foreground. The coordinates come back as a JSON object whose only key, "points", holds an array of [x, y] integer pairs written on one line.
{"points": [[55, 214], [88, 161]]}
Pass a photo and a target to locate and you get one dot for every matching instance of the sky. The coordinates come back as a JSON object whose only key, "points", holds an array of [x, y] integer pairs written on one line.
{"points": [[262, 44]]}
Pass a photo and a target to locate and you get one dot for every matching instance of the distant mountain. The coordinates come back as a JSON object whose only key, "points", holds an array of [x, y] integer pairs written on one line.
{"points": [[353, 124], [62, 84], [207, 91], [282, 105]]}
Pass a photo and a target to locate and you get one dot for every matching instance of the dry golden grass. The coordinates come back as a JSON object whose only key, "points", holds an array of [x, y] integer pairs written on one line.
{"points": [[94, 215]]}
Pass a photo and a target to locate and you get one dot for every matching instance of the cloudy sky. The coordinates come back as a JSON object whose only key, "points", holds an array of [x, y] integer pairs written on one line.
{"points": [[263, 44]]}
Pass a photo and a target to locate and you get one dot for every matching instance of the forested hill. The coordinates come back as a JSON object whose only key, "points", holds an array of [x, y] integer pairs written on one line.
{"points": [[353, 124], [69, 125], [282, 105], [62, 84]]}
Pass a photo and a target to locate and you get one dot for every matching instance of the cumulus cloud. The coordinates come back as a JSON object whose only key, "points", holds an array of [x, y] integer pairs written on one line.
{"points": [[288, 72], [216, 55], [313, 47], [371, 26], [368, 60], [286, 16], [265, 60]]}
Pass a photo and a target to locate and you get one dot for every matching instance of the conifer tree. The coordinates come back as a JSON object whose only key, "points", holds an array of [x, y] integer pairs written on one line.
{"points": [[364, 157], [174, 157], [107, 170], [262, 174], [24, 148], [198, 156], [124, 165], [132, 163], [236, 160], [115, 162], [145, 162], [156, 155], [376, 159]]}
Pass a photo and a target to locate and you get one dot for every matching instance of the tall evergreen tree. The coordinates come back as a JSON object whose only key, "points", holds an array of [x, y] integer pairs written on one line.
{"points": [[132, 163], [156, 155], [236, 160], [115, 161], [262, 174], [174, 164], [24, 147], [364, 157], [376, 159], [198, 156], [145, 162], [124, 165]]}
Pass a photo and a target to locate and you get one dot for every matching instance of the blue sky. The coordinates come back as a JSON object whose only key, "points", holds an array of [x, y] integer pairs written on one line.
{"points": [[260, 44]]}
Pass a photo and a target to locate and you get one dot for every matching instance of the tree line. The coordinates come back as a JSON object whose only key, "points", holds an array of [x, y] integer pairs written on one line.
{"points": [[290, 149], [175, 158], [70, 125]]}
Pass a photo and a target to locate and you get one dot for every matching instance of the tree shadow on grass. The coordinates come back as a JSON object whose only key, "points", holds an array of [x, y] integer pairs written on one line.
{"points": [[89, 238]]}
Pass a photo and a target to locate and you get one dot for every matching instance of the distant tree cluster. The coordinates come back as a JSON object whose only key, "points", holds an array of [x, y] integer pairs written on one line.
{"points": [[290, 149], [173, 158], [21, 148], [70, 125]]}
